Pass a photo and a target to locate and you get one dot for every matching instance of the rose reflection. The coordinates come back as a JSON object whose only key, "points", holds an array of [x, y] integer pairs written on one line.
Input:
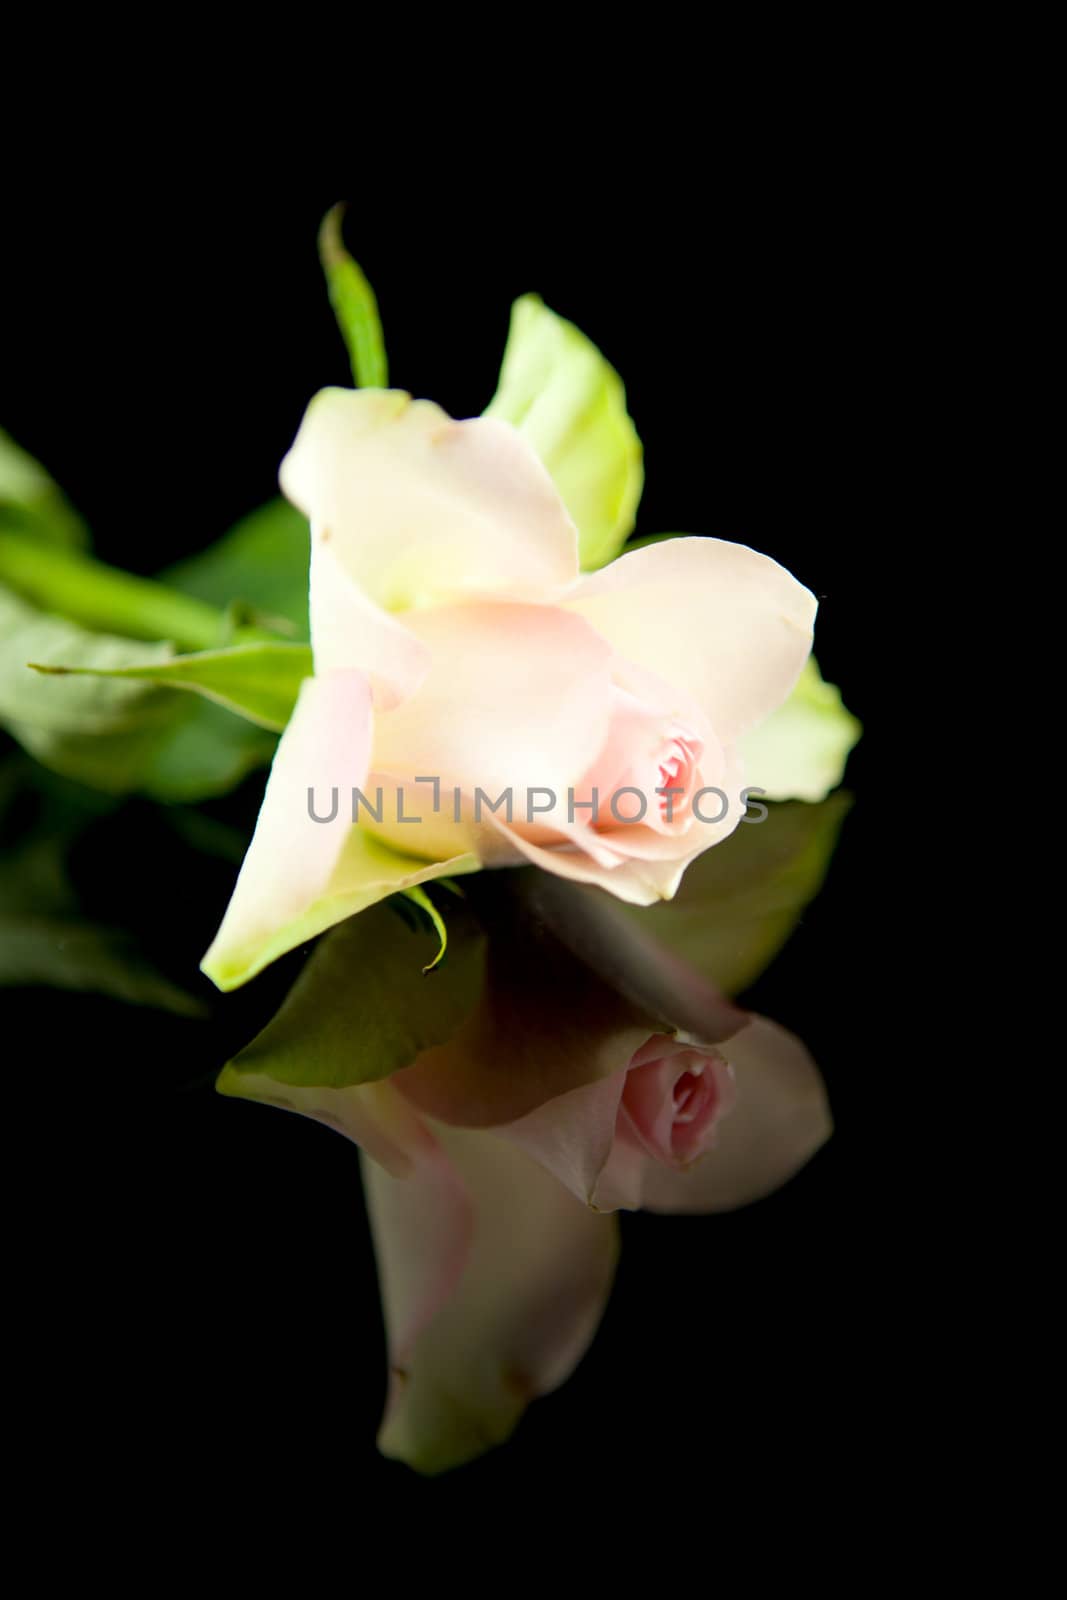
{"points": [[591, 1062]]}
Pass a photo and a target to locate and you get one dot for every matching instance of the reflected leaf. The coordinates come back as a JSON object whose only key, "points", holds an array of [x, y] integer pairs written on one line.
{"points": [[739, 902], [366, 1003]]}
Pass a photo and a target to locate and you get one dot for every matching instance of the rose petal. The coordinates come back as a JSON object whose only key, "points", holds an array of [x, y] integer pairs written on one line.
{"points": [[300, 876], [717, 619], [422, 508], [520, 1314], [643, 867], [779, 1120], [349, 631], [573, 1136], [515, 695], [291, 858], [423, 1227]]}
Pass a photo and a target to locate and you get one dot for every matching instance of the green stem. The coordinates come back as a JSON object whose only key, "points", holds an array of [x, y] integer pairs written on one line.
{"points": [[107, 600]]}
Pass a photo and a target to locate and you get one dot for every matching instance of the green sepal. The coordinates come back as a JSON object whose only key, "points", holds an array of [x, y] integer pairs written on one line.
{"points": [[570, 405], [354, 306]]}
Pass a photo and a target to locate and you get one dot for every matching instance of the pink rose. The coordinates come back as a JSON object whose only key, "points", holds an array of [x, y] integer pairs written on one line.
{"points": [[673, 1096], [462, 662]]}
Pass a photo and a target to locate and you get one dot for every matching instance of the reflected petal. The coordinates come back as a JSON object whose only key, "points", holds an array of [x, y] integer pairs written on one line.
{"points": [[516, 1318]]}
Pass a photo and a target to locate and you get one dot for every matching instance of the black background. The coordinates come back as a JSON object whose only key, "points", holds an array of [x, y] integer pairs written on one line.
{"points": [[201, 1283]]}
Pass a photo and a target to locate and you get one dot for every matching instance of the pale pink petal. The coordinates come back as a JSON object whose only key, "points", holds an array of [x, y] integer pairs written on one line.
{"points": [[602, 1144], [349, 631], [423, 1228], [572, 1136], [721, 621], [643, 866], [422, 508], [779, 1119], [628, 880], [515, 696], [292, 857], [519, 1315]]}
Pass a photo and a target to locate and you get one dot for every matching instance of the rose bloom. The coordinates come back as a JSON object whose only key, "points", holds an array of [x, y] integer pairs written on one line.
{"points": [[455, 639]]}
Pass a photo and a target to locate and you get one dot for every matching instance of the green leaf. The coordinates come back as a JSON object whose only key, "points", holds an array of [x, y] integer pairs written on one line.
{"points": [[261, 564], [258, 681], [115, 735], [207, 751], [569, 403], [800, 751], [354, 306], [45, 939], [364, 1005], [71, 953], [28, 634], [740, 901], [31, 501]]}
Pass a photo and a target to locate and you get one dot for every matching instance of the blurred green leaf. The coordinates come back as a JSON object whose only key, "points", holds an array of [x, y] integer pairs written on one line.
{"points": [[258, 681], [570, 405], [364, 1006], [115, 735], [31, 501], [27, 634], [71, 953], [739, 901], [261, 563], [44, 937], [354, 306]]}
